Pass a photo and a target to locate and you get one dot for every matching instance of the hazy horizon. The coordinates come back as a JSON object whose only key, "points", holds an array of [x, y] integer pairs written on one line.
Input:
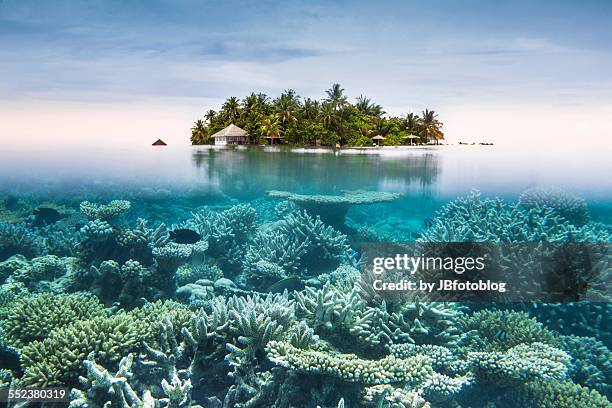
{"points": [[112, 73]]}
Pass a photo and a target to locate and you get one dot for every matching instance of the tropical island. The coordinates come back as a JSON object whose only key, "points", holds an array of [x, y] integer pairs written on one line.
{"points": [[332, 121]]}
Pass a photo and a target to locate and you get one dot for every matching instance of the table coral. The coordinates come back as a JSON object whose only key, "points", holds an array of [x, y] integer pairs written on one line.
{"points": [[333, 208]]}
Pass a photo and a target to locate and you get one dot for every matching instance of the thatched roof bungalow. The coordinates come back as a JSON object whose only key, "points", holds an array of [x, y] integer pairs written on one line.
{"points": [[231, 135], [378, 139]]}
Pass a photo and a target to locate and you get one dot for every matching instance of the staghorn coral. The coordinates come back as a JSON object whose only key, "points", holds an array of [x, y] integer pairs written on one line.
{"points": [[388, 396], [104, 212], [34, 317], [227, 233], [591, 363], [569, 206], [340, 314], [298, 244], [103, 389], [521, 363], [559, 394], [19, 239], [498, 330], [414, 370], [57, 359]]}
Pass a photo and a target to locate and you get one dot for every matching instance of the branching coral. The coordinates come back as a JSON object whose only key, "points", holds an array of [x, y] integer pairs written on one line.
{"points": [[521, 363], [104, 389], [105, 212], [591, 364], [227, 232], [170, 256], [340, 314], [588, 319], [57, 359], [474, 219], [413, 370], [35, 316], [298, 244], [19, 239], [16, 264], [569, 206], [391, 397], [498, 330], [47, 273], [559, 394]]}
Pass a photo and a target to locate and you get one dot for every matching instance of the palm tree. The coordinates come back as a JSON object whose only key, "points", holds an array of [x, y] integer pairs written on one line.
{"points": [[365, 106], [210, 116], [199, 133], [328, 115], [335, 96], [430, 126], [270, 127], [287, 106], [412, 123], [310, 109], [231, 109]]}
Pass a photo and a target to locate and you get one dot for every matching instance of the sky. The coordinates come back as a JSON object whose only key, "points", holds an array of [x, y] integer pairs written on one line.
{"points": [[106, 72]]}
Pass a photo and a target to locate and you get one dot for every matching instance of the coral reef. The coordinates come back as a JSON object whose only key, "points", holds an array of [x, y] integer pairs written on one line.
{"points": [[108, 304], [560, 394], [499, 330], [333, 208], [349, 367], [297, 245], [549, 258], [19, 239], [34, 317], [105, 212], [338, 314], [569, 206], [521, 363], [227, 233]]}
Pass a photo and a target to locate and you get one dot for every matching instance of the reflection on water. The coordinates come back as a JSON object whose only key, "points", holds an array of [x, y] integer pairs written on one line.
{"points": [[251, 171]]}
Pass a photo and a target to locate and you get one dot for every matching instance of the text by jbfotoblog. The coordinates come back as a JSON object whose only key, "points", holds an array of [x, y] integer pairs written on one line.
{"points": [[444, 285]]}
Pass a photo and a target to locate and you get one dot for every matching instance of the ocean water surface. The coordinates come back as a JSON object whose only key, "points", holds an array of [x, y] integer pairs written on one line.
{"points": [[238, 276]]}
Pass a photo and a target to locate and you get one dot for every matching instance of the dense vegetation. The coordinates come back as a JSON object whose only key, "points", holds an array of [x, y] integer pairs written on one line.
{"points": [[328, 122]]}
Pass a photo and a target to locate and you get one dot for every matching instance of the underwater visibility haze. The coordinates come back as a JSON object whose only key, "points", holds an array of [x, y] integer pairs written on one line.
{"points": [[237, 277]]}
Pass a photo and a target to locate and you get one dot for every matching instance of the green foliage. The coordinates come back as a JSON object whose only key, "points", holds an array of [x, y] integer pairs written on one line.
{"points": [[328, 122]]}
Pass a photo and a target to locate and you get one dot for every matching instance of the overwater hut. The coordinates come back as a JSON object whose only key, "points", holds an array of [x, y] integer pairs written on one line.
{"points": [[273, 139], [231, 135], [411, 138], [378, 140], [159, 142]]}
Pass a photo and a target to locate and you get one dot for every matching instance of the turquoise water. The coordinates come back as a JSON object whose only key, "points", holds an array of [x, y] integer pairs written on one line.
{"points": [[237, 277]]}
